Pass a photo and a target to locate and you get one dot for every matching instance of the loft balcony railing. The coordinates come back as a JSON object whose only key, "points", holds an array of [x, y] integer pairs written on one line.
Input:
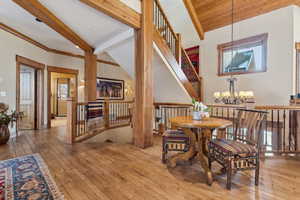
{"points": [[280, 134], [88, 119]]}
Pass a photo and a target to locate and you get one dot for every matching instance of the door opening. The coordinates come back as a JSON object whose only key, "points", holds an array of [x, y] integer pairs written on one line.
{"points": [[28, 98], [62, 86], [29, 95]]}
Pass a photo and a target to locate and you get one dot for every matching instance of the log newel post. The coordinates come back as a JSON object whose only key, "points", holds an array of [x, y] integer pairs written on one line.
{"points": [[178, 49], [90, 76], [106, 113], [69, 137]]}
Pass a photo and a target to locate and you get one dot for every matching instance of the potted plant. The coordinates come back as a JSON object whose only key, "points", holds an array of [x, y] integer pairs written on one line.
{"points": [[199, 110], [6, 118]]}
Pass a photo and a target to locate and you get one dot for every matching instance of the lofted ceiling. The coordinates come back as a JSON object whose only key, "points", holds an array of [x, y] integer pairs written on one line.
{"points": [[91, 25], [214, 14]]}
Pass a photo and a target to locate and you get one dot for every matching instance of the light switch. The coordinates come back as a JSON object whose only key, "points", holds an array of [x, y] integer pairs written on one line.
{"points": [[2, 93]]}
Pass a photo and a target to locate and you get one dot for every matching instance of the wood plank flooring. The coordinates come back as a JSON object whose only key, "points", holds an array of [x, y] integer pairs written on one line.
{"points": [[109, 171]]}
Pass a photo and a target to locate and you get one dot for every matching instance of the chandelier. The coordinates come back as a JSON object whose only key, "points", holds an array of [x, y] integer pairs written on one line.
{"points": [[233, 97]]}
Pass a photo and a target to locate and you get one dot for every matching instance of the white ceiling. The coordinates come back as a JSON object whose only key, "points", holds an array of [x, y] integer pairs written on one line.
{"points": [[91, 25]]}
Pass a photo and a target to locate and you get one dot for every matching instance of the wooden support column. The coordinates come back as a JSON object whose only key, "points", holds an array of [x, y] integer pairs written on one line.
{"points": [[178, 48], [143, 110], [69, 137], [90, 75]]}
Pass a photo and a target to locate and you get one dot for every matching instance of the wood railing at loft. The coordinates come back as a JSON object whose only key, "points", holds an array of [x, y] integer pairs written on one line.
{"points": [[173, 41], [88, 119], [281, 131]]}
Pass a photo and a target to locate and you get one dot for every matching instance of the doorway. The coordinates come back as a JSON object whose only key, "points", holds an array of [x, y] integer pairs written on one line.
{"points": [[28, 98], [62, 86], [29, 95]]}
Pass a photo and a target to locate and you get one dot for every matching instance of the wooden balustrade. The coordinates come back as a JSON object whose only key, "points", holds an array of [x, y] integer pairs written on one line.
{"points": [[85, 120], [281, 131], [164, 111], [190, 72], [163, 26]]}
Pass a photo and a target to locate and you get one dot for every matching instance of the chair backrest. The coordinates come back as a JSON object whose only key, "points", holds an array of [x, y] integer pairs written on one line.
{"points": [[249, 126]]}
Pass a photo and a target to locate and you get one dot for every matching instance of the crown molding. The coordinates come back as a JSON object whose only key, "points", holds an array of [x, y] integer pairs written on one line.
{"points": [[44, 47]]}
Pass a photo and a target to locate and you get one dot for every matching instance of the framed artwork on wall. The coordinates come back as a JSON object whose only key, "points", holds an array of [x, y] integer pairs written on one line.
{"points": [[113, 89]]}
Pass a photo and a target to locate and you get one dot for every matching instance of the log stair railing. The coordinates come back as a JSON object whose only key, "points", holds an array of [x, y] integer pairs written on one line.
{"points": [[170, 46]]}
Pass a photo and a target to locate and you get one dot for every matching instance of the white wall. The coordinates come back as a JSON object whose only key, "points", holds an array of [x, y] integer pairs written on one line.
{"points": [[271, 87], [9, 48], [167, 87], [180, 21], [296, 21]]}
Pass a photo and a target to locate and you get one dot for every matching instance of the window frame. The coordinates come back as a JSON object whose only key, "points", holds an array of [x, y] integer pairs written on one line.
{"points": [[250, 41]]}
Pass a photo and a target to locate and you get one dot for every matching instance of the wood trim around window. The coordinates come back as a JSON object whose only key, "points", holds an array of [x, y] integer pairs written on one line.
{"points": [[240, 43]]}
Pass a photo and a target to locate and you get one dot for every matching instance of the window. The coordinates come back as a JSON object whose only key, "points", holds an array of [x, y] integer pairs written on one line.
{"points": [[244, 56]]}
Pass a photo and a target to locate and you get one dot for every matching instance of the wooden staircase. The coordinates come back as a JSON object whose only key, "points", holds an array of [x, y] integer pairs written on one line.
{"points": [[169, 43]]}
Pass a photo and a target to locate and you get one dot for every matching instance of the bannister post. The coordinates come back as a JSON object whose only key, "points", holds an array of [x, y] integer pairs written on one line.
{"points": [[178, 48], [69, 137], [106, 113]]}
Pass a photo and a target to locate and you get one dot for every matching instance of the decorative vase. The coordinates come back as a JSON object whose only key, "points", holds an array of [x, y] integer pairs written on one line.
{"points": [[197, 115], [4, 134]]}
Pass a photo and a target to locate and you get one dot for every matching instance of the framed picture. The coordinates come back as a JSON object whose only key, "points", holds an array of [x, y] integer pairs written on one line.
{"points": [[110, 88]]}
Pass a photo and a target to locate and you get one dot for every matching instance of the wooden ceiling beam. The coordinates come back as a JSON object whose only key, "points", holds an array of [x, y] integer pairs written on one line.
{"points": [[41, 12], [189, 6], [117, 10]]}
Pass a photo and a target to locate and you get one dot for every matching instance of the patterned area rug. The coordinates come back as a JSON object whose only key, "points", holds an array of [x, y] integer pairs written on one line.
{"points": [[27, 178]]}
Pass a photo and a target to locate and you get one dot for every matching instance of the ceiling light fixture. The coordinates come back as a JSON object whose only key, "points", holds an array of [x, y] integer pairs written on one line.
{"points": [[77, 46], [38, 20]]}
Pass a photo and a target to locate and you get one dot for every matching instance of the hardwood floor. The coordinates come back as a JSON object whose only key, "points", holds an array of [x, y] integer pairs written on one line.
{"points": [[96, 171]]}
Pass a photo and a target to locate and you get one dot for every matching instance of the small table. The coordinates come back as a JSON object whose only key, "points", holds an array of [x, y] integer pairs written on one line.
{"points": [[207, 126]]}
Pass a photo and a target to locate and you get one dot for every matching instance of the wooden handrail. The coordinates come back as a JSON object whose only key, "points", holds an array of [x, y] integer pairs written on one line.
{"points": [[277, 107], [110, 101], [165, 17], [171, 104], [226, 106], [190, 63]]}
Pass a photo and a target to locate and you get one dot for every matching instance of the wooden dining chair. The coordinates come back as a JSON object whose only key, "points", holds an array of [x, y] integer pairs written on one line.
{"points": [[241, 153], [174, 140]]}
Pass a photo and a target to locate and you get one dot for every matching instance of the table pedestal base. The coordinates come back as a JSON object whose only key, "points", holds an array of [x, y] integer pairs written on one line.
{"points": [[200, 153]]}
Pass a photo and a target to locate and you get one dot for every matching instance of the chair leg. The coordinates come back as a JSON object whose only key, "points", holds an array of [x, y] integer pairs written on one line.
{"points": [[257, 172], [229, 173]]}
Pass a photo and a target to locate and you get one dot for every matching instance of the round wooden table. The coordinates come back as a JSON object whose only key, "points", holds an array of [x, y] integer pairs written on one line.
{"points": [[207, 126]]}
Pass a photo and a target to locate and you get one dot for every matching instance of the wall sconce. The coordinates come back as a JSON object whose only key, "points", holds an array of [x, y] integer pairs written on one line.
{"points": [[128, 90], [81, 84]]}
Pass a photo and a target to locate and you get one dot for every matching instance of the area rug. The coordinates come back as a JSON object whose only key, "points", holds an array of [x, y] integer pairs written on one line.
{"points": [[27, 178]]}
